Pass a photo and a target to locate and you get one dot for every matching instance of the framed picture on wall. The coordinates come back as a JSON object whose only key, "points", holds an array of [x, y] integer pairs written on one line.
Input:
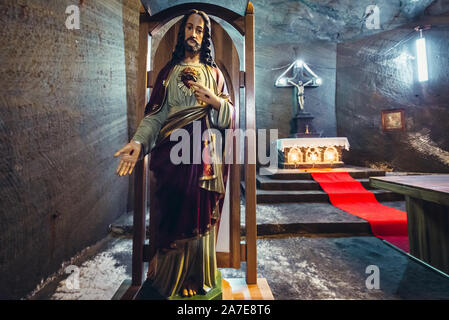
{"points": [[393, 120]]}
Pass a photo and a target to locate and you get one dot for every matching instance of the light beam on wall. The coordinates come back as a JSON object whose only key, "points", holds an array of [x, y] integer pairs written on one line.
{"points": [[421, 52]]}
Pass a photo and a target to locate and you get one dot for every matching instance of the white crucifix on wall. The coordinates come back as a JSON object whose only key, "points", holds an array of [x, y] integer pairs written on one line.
{"points": [[298, 75]]}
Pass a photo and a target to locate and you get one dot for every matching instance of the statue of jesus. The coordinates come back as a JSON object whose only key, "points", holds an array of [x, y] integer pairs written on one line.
{"points": [[189, 197]]}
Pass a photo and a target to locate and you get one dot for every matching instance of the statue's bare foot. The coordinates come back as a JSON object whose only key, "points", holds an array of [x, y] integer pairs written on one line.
{"points": [[189, 289]]}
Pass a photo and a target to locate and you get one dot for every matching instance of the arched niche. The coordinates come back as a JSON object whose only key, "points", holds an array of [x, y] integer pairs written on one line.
{"points": [[227, 59]]}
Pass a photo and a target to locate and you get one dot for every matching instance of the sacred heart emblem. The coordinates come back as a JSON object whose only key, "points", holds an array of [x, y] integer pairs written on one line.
{"points": [[189, 74]]}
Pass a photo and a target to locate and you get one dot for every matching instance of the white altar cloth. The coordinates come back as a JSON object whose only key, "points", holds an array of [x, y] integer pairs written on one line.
{"points": [[313, 142]]}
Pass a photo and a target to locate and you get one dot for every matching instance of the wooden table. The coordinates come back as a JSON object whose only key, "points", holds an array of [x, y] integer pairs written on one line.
{"points": [[427, 205]]}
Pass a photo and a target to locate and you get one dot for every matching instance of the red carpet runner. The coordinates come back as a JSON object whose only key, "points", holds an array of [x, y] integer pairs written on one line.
{"points": [[349, 195]]}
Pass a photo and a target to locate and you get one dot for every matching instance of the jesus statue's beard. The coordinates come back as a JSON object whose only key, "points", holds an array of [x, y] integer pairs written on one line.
{"points": [[195, 49]]}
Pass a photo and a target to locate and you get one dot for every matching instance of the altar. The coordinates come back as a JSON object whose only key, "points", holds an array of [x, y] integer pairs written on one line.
{"points": [[296, 153]]}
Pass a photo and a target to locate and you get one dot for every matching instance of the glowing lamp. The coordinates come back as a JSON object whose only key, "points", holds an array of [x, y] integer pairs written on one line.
{"points": [[282, 82], [294, 156], [330, 155], [312, 155], [421, 52]]}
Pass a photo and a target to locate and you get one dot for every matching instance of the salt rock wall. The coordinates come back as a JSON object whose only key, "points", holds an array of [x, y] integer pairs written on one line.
{"points": [[64, 105], [380, 73]]}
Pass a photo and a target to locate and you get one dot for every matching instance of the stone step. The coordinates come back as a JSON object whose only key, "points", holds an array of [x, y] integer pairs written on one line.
{"points": [[279, 196], [272, 229], [335, 229], [279, 219], [297, 174], [266, 183]]}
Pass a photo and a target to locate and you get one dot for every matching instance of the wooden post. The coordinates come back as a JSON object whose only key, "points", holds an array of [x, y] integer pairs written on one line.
{"points": [[227, 59], [139, 220], [250, 150], [140, 173]]}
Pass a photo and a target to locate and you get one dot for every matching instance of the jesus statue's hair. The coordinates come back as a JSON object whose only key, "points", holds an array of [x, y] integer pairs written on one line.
{"points": [[205, 52]]}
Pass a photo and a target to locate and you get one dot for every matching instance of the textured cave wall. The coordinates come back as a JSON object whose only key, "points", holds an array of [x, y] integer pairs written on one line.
{"points": [[280, 39], [277, 106], [310, 30], [371, 77], [65, 95]]}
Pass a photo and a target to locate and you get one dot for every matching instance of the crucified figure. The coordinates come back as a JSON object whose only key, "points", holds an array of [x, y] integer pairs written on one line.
{"points": [[300, 93]]}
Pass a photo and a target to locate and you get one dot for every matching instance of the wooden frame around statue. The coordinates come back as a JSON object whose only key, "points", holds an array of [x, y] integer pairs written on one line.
{"points": [[246, 251]]}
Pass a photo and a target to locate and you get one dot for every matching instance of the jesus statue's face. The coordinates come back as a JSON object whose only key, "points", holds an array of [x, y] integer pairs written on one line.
{"points": [[194, 31]]}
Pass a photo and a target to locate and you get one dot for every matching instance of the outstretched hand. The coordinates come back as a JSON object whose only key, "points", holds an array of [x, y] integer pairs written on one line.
{"points": [[129, 155], [205, 95]]}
